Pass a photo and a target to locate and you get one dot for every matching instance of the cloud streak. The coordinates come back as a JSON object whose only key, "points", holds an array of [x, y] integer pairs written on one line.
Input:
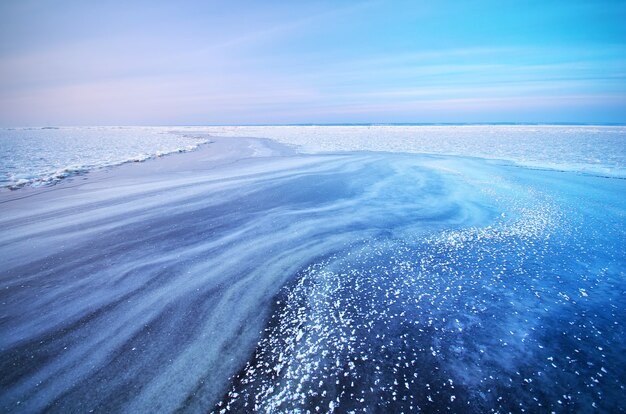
{"points": [[272, 63]]}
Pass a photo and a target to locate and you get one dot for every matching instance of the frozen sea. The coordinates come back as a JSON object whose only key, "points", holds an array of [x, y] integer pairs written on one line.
{"points": [[41, 156], [323, 269]]}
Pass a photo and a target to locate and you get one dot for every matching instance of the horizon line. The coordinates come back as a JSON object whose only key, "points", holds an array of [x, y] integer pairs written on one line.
{"points": [[58, 126]]}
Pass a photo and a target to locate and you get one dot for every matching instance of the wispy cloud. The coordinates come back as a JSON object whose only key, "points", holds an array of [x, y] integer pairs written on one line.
{"points": [[219, 63]]}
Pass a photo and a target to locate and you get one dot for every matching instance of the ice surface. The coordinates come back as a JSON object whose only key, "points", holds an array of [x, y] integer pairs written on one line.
{"points": [[489, 318], [342, 282], [39, 156], [439, 325], [594, 149]]}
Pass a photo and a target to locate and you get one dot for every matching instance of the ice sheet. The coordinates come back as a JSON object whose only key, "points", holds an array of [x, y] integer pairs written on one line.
{"points": [[43, 156], [593, 149], [362, 280]]}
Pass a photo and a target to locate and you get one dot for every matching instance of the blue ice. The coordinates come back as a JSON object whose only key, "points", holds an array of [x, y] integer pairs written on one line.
{"points": [[335, 282]]}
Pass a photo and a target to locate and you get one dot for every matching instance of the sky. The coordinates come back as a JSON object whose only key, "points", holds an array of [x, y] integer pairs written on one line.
{"points": [[279, 62]]}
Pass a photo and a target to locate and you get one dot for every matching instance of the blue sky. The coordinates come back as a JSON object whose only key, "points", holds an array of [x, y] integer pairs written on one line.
{"points": [[260, 62]]}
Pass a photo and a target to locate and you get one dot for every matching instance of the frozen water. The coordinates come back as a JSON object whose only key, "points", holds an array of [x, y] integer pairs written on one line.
{"points": [[38, 156], [593, 149], [335, 282], [480, 319]]}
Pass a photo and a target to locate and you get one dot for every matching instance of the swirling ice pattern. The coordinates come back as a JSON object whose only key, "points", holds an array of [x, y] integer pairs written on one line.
{"points": [[525, 314], [317, 283]]}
